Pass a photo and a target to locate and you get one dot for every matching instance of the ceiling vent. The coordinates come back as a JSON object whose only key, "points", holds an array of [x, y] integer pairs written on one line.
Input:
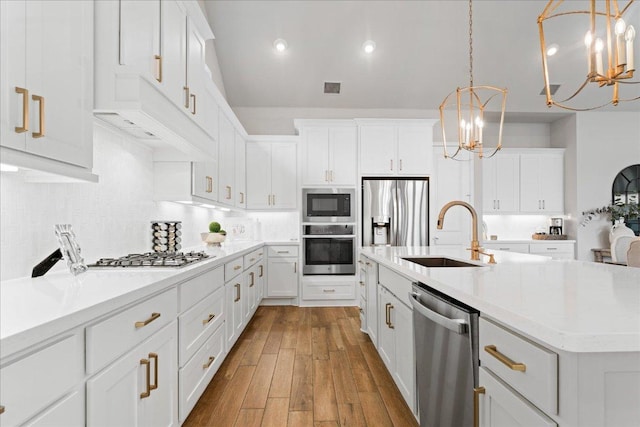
{"points": [[553, 88], [332, 87]]}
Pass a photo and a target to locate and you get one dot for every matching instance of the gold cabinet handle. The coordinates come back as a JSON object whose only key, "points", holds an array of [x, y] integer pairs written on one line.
{"points": [[273, 197], [391, 163], [360, 261], [208, 319], [228, 197], [154, 386], [476, 405], [326, 175], [40, 100], [237, 286], [146, 393], [252, 275], [269, 199], [159, 69], [251, 259], [261, 270], [368, 263], [209, 184], [209, 362], [400, 164], [241, 197], [331, 176], [25, 110], [361, 283], [295, 267], [328, 291], [493, 350], [143, 323], [187, 98], [237, 267], [193, 107], [386, 313], [391, 324], [1, 409]]}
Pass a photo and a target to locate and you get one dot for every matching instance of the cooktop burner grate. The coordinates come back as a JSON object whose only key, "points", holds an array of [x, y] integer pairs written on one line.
{"points": [[152, 259]]}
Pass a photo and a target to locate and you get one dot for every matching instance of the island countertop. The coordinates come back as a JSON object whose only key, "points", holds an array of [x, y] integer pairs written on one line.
{"points": [[574, 306]]}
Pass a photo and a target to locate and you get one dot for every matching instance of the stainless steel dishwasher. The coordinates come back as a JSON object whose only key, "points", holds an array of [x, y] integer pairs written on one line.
{"points": [[446, 346]]}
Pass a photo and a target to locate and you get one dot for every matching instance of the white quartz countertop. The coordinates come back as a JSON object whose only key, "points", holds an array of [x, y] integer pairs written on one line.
{"points": [[32, 309], [527, 241], [571, 305]]}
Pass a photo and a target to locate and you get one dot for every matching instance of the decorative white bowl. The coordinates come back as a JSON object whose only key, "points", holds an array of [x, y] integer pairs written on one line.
{"points": [[213, 239]]}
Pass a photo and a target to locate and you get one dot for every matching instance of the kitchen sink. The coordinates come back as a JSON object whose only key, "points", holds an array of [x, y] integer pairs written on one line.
{"points": [[440, 262]]}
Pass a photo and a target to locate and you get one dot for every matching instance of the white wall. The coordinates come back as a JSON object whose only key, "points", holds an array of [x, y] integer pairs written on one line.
{"points": [[563, 135]]}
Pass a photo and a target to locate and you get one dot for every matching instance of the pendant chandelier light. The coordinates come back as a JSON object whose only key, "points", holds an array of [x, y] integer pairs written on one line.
{"points": [[471, 103], [607, 52]]}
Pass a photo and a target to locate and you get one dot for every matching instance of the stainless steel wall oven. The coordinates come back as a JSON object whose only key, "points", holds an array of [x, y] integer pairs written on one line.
{"points": [[329, 250]]}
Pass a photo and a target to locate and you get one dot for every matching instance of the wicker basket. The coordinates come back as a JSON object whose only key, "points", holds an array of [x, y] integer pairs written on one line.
{"points": [[549, 236]]}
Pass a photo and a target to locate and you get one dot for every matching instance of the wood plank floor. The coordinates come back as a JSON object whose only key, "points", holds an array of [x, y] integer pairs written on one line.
{"points": [[300, 366]]}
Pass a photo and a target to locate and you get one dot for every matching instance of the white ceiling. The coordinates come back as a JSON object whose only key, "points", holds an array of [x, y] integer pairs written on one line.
{"points": [[421, 55]]}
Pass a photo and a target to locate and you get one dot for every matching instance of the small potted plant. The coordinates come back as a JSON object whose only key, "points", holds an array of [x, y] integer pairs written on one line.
{"points": [[613, 211], [215, 236]]}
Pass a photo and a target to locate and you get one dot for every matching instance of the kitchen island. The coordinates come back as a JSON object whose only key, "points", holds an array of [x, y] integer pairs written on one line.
{"points": [[575, 325]]}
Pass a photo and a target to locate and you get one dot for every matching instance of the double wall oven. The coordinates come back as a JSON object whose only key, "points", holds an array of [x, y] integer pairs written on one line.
{"points": [[329, 239]]}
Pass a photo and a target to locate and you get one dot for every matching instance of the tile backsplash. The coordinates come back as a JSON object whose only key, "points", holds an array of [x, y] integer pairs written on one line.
{"points": [[111, 218]]}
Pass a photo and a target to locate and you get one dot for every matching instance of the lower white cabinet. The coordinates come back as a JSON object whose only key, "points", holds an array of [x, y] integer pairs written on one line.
{"points": [[395, 343], [67, 412], [501, 406], [369, 288], [140, 388], [556, 249], [233, 301], [283, 269]]}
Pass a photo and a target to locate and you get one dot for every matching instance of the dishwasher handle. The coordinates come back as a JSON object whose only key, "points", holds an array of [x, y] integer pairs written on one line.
{"points": [[459, 326]]}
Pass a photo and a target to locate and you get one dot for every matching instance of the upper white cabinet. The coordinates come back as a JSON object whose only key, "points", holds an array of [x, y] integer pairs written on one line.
{"points": [[240, 172], [542, 182], [194, 182], [329, 152], [226, 161], [47, 85], [501, 183], [396, 147], [271, 173]]}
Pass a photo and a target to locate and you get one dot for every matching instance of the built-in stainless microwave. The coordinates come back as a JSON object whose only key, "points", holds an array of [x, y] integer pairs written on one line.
{"points": [[328, 205]]}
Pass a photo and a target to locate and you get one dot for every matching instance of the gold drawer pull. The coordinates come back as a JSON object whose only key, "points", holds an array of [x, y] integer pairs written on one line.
{"points": [[209, 362], [208, 319], [328, 291], [237, 267], [154, 386], [237, 286], [251, 259], [193, 108], [40, 100], [253, 280], [391, 324], [476, 405], [361, 283], [153, 317], [186, 98], [228, 197], [241, 197], [159, 59], [1, 409], [493, 350], [360, 262], [25, 113], [261, 270], [147, 393]]}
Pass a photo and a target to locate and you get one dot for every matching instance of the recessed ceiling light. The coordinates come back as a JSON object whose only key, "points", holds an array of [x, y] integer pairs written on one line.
{"points": [[369, 46], [280, 45], [552, 49]]}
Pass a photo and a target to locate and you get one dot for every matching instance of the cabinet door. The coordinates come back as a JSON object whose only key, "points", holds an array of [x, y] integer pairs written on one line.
{"points": [[260, 281], [378, 150], [250, 295], [316, 156], [489, 184], [451, 181], [241, 176], [500, 406], [59, 65], [283, 175], [258, 175], [203, 183], [530, 197], [114, 395], [343, 158], [372, 300], [13, 73], [415, 149], [508, 182], [386, 336], [551, 174], [226, 161], [139, 30], [401, 318], [283, 277], [233, 320], [174, 51]]}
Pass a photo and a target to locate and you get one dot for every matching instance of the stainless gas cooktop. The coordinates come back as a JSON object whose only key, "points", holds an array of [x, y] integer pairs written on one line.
{"points": [[152, 259]]}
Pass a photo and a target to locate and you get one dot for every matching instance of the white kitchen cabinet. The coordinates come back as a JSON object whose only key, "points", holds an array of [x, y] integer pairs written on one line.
{"points": [[395, 343], [556, 249], [501, 183], [393, 147], [271, 175], [282, 269], [240, 171], [542, 182], [452, 180], [226, 161], [172, 32], [194, 182], [203, 183], [47, 84], [140, 388], [329, 152], [501, 406], [369, 275], [234, 322]]}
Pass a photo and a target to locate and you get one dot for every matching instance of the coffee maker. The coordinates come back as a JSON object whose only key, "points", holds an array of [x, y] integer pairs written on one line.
{"points": [[556, 226]]}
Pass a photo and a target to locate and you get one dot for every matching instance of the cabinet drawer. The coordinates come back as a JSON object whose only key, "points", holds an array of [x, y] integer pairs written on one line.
{"points": [[197, 323], [282, 251], [196, 289], [112, 337], [551, 248], [330, 291], [251, 258], [539, 380], [233, 268], [69, 412], [399, 285], [522, 248], [29, 385], [199, 371]]}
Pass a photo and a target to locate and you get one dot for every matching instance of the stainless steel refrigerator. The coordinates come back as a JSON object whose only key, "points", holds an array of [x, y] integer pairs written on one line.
{"points": [[395, 212]]}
